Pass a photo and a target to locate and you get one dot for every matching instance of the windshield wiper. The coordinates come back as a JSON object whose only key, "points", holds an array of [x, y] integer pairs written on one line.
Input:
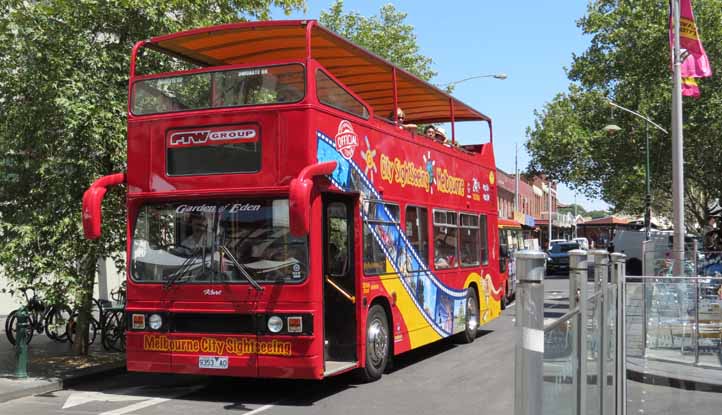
{"points": [[241, 268], [185, 267]]}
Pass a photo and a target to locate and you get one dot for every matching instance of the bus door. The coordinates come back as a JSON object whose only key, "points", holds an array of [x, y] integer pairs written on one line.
{"points": [[339, 293]]}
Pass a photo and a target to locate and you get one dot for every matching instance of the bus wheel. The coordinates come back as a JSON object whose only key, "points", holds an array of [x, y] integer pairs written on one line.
{"points": [[472, 318], [377, 344]]}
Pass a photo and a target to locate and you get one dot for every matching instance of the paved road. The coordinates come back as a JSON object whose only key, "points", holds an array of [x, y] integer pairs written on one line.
{"points": [[439, 378]]}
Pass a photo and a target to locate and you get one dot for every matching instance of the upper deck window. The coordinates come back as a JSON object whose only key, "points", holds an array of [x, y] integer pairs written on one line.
{"points": [[333, 95], [235, 88]]}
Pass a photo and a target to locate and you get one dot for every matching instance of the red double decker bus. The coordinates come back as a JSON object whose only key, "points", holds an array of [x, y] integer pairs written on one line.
{"points": [[279, 224]]}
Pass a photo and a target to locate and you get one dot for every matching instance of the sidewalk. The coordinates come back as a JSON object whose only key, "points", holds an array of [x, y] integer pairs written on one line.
{"points": [[52, 366]]}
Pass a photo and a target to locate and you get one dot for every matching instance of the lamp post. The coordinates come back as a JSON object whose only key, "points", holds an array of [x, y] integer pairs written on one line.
{"points": [[611, 129], [500, 76]]}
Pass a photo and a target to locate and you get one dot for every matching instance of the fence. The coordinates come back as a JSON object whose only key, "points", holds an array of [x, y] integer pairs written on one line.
{"points": [[658, 325]]}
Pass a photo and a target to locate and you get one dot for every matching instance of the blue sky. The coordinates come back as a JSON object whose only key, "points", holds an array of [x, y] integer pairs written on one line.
{"points": [[530, 41]]}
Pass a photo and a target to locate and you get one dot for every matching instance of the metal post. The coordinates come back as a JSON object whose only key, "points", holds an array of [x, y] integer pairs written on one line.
{"points": [[578, 297], [619, 277], [648, 191], [697, 294], [21, 343], [648, 247], [529, 350], [516, 177], [549, 242], [677, 151], [601, 277]]}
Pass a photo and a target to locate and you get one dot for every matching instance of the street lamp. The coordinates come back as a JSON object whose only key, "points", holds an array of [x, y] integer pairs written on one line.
{"points": [[611, 129], [500, 76]]}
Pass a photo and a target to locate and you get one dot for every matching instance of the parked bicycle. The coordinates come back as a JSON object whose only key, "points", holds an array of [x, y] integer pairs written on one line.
{"points": [[109, 318], [52, 319]]}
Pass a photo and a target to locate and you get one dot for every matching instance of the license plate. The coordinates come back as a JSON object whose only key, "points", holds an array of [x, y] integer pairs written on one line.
{"points": [[212, 362]]}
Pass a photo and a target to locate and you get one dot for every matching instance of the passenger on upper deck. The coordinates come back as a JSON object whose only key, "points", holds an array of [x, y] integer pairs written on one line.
{"points": [[441, 136], [430, 132], [401, 117]]}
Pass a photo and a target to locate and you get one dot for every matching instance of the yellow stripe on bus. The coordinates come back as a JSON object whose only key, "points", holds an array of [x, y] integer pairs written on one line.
{"points": [[419, 330]]}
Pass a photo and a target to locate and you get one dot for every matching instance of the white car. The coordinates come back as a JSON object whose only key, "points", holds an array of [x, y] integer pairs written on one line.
{"points": [[583, 243]]}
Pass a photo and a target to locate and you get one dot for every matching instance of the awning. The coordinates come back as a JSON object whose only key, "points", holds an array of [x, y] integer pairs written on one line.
{"points": [[366, 74]]}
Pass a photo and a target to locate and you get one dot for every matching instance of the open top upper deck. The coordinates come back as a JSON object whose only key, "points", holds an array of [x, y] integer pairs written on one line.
{"points": [[376, 81]]}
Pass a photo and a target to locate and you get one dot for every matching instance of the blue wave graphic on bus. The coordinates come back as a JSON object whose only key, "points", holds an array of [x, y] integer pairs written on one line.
{"points": [[443, 308]]}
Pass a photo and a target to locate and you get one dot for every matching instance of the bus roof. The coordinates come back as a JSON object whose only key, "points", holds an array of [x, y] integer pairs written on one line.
{"points": [[368, 75]]}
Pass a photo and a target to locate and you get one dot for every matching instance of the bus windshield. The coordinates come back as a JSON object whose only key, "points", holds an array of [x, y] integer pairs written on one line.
{"points": [[239, 87], [183, 242]]}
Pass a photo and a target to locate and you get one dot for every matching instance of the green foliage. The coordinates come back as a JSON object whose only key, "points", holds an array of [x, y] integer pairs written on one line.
{"points": [[628, 62], [385, 35], [63, 92]]}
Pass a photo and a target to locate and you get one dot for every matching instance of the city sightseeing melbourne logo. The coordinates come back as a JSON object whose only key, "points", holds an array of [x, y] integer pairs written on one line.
{"points": [[346, 140]]}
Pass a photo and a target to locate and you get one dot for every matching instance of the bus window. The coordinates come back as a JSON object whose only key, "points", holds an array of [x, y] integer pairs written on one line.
{"points": [[417, 231], [469, 240], [484, 247], [239, 87], [446, 249], [337, 256], [333, 95], [382, 217], [254, 231]]}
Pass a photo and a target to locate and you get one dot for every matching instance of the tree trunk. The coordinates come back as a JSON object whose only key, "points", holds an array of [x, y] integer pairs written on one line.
{"points": [[82, 323]]}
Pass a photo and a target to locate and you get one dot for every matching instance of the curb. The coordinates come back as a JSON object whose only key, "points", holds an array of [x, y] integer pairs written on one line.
{"points": [[71, 379], [661, 380]]}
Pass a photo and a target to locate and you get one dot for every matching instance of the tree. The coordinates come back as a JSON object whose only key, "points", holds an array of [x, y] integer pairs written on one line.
{"points": [[386, 35], [628, 62], [63, 92]]}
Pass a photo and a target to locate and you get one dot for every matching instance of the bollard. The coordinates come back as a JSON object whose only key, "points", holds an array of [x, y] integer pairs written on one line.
{"points": [[619, 271], [529, 349], [21, 343], [579, 293], [601, 279], [577, 262]]}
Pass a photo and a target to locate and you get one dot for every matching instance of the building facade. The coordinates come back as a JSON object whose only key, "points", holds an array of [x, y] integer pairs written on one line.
{"points": [[533, 206]]}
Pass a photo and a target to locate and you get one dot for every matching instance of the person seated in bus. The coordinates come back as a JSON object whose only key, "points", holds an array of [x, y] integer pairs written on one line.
{"points": [[199, 233], [443, 254], [401, 117]]}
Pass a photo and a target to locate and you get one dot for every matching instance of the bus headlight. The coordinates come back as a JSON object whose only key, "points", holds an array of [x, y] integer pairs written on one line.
{"points": [[155, 321], [275, 324]]}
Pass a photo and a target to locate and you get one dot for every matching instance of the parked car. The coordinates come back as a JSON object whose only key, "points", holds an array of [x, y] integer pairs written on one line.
{"points": [[583, 242], [558, 256], [556, 241]]}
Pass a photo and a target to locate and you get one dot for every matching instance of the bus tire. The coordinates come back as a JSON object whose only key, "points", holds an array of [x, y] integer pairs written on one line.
{"points": [[472, 318], [377, 344]]}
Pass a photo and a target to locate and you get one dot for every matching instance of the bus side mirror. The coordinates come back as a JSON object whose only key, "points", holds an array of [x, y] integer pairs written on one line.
{"points": [[299, 206], [299, 203], [92, 203]]}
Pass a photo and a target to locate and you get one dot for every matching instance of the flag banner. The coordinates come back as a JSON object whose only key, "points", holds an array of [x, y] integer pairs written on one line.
{"points": [[694, 58], [690, 87]]}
